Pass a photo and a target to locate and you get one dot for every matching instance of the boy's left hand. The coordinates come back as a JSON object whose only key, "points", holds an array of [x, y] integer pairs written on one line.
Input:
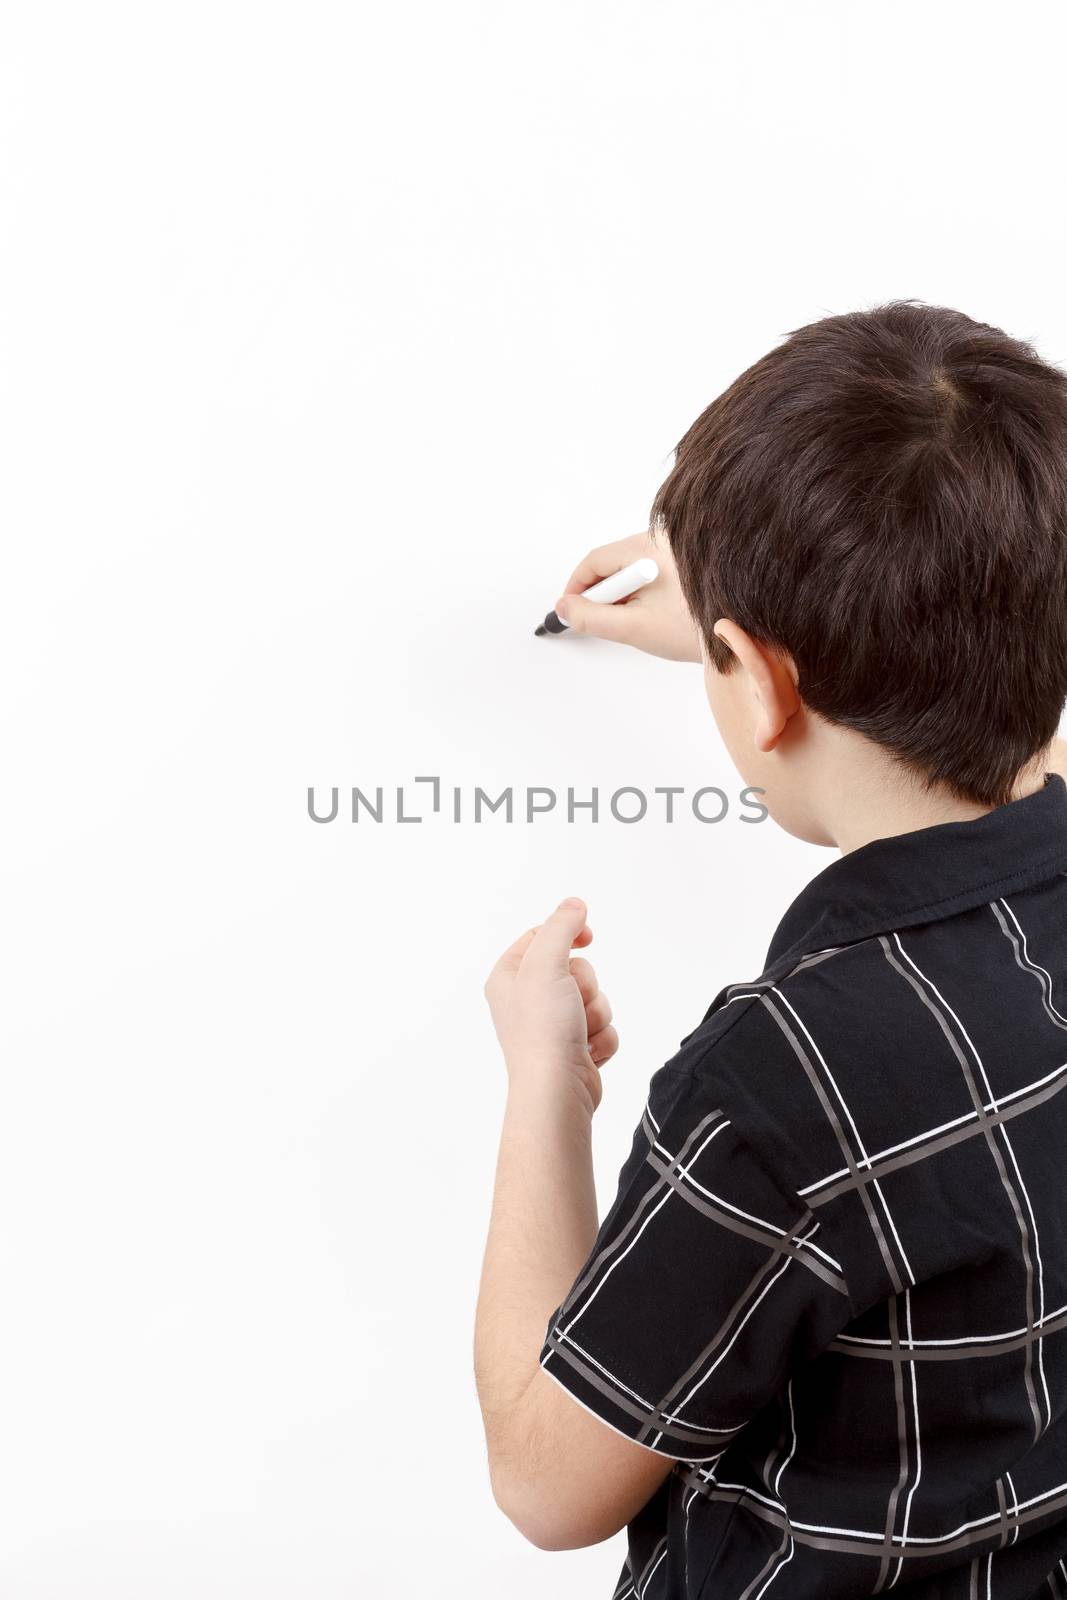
{"points": [[549, 1014]]}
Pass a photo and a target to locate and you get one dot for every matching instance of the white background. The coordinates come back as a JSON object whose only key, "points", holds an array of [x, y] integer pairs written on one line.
{"points": [[333, 336]]}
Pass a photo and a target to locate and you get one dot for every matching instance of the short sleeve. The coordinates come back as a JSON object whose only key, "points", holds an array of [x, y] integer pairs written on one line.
{"points": [[706, 1286]]}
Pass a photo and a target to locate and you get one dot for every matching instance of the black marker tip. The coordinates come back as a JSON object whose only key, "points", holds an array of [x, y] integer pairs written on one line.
{"points": [[551, 624]]}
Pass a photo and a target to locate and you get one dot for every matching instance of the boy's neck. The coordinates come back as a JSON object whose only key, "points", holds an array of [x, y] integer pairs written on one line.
{"points": [[874, 800]]}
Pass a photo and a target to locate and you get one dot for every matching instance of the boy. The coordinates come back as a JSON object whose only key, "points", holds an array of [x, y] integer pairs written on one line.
{"points": [[819, 1340]]}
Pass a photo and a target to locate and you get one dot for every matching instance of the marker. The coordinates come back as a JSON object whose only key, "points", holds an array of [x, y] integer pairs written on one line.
{"points": [[625, 582]]}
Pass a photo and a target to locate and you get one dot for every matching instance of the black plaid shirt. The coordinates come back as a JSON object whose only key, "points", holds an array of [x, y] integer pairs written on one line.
{"points": [[833, 1281]]}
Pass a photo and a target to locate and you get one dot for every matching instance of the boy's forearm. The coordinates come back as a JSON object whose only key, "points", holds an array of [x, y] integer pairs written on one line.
{"points": [[542, 1227]]}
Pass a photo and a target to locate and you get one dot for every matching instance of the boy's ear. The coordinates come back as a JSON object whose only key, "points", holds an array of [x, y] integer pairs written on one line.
{"points": [[772, 679]]}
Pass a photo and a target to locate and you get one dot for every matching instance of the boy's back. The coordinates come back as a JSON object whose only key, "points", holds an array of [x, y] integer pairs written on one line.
{"points": [[852, 1171], [829, 1301]]}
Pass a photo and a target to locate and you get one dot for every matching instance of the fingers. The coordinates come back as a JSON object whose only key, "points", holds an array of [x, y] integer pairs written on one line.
{"points": [[598, 1011], [508, 964], [545, 953], [549, 949], [597, 1005], [625, 622], [597, 1015], [606, 559], [602, 622], [603, 1045], [584, 976], [596, 565]]}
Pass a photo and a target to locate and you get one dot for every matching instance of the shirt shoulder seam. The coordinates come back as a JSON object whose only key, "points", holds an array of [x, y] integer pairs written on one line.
{"points": [[867, 930]]}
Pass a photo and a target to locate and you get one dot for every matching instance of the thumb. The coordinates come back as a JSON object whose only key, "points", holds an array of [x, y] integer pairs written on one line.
{"points": [[550, 948], [589, 616]]}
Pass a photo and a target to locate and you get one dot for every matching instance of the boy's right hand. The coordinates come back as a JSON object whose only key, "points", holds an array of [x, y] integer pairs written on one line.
{"points": [[655, 619]]}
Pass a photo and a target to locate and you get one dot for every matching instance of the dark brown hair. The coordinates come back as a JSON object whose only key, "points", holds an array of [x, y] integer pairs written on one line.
{"points": [[884, 497]]}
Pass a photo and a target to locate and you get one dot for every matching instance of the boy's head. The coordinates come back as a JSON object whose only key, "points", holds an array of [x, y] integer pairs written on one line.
{"points": [[880, 506]]}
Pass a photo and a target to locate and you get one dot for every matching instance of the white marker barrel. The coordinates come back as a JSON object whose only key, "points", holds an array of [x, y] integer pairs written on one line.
{"points": [[624, 582]]}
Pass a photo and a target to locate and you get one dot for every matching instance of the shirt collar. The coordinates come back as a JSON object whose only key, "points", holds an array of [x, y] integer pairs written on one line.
{"points": [[928, 874]]}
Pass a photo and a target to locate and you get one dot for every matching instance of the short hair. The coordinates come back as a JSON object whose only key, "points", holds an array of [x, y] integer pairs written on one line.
{"points": [[884, 498]]}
